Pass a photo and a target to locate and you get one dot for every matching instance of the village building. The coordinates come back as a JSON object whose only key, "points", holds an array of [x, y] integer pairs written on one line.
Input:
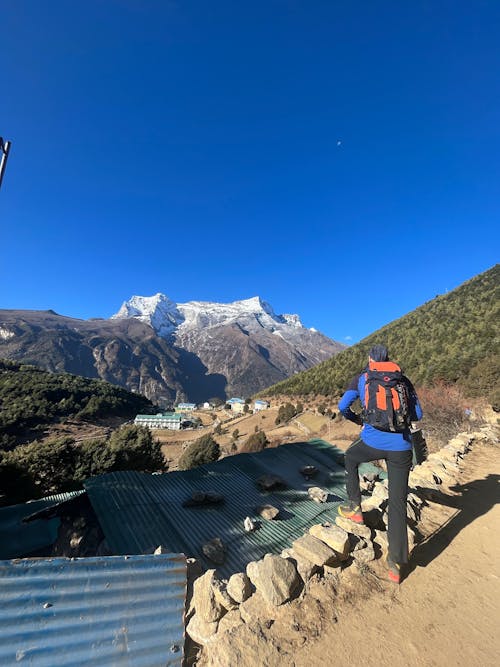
{"points": [[185, 407], [237, 405], [260, 405], [167, 420]]}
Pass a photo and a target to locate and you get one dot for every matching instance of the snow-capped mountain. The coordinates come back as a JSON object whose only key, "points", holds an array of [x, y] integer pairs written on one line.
{"points": [[245, 342], [168, 318]]}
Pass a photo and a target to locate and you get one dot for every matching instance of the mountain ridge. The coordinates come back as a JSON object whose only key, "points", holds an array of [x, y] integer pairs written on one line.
{"points": [[453, 338], [168, 351]]}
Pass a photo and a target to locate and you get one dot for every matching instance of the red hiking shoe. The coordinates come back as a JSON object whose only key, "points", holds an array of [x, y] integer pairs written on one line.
{"points": [[351, 511], [394, 571]]}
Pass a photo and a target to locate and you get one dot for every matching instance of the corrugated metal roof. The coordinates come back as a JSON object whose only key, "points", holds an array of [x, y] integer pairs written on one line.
{"points": [[18, 539], [138, 511], [113, 611]]}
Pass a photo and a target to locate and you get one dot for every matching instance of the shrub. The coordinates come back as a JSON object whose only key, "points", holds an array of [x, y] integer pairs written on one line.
{"points": [[55, 466], [203, 450], [285, 413], [134, 448], [255, 443], [444, 412]]}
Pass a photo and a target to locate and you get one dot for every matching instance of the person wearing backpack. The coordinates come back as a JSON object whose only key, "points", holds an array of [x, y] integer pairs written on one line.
{"points": [[389, 404]]}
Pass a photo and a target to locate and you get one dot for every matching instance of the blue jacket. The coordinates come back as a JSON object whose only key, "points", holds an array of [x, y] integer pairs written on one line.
{"points": [[369, 434]]}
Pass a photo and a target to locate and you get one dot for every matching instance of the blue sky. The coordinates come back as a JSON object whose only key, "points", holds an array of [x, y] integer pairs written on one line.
{"points": [[192, 148]]}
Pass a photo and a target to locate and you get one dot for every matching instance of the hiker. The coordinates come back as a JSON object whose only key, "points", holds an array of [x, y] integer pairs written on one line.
{"points": [[389, 404]]}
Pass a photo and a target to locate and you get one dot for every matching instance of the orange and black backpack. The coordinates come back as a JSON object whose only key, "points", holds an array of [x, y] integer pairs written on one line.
{"points": [[387, 401]]}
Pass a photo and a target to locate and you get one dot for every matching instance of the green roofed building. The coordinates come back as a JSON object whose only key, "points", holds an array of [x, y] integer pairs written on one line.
{"points": [[168, 420]]}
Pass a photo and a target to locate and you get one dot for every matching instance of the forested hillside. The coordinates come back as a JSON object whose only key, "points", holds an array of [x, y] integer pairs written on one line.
{"points": [[453, 338], [31, 398]]}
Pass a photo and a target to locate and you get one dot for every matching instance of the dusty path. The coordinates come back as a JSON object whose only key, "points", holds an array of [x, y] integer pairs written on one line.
{"points": [[447, 611]]}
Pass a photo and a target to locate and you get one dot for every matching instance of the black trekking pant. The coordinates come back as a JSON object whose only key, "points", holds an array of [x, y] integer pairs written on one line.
{"points": [[398, 469]]}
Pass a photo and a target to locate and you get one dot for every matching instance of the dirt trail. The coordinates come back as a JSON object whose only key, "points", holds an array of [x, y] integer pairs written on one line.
{"points": [[447, 611], [444, 614]]}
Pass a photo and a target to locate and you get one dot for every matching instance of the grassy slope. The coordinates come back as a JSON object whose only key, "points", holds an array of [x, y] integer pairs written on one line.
{"points": [[453, 338]]}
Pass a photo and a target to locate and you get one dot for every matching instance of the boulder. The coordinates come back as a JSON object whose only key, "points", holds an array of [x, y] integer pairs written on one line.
{"points": [[365, 555], [269, 482], [215, 550], [274, 577], [229, 621], [199, 498], [239, 587], [333, 536], [356, 542], [370, 503], [222, 596], [380, 491], [308, 471], [354, 528], [268, 512], [200, 631], [317, 494], [305, 567], [208, 607], [257, 609], [315, 551], [249, 525], [382, 540]]}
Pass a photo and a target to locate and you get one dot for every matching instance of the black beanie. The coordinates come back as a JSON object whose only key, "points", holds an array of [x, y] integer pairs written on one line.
{"points": [[379, 353]]}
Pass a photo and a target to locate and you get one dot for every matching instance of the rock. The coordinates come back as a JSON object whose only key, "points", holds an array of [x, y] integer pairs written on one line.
{"points": [[372, 503], [415, 500], [239, 587], [268, 512], [257, 609], [315, 551], [428, 475], [249, 525], [222, 596], [411, 540], [356, 542], [200, 631], [305, 567], [274, 577], [269, 482], [317, 494], [75, 541], [229, 621], [333, 536], [215, 550], [412, 513], [380, 491], [161, 549], [354, 528], [204, 600], [382, 540], [309, 471], [366, 555], [200, 498]]}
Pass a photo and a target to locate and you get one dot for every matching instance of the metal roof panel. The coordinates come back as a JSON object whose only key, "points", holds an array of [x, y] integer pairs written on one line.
{"points": [[107, 611], [138, 511]]}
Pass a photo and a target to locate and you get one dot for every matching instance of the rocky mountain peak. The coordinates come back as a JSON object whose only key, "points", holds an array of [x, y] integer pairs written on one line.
{"points": [[168, 318]]}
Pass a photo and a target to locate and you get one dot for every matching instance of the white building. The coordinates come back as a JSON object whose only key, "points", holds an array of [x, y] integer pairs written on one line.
{"points": [[260, 405], [167, 420], [185, 407], [237, 405]]}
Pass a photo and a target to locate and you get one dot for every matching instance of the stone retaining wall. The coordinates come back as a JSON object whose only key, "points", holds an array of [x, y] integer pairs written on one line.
{"points": [[217, 605]]}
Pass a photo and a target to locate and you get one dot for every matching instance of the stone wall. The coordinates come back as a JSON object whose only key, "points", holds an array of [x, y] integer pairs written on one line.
{"points": [[217, 605]]}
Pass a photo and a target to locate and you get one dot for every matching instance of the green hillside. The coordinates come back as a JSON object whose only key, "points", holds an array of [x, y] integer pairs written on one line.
{"points": [[31, 398], [453, 338]]}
